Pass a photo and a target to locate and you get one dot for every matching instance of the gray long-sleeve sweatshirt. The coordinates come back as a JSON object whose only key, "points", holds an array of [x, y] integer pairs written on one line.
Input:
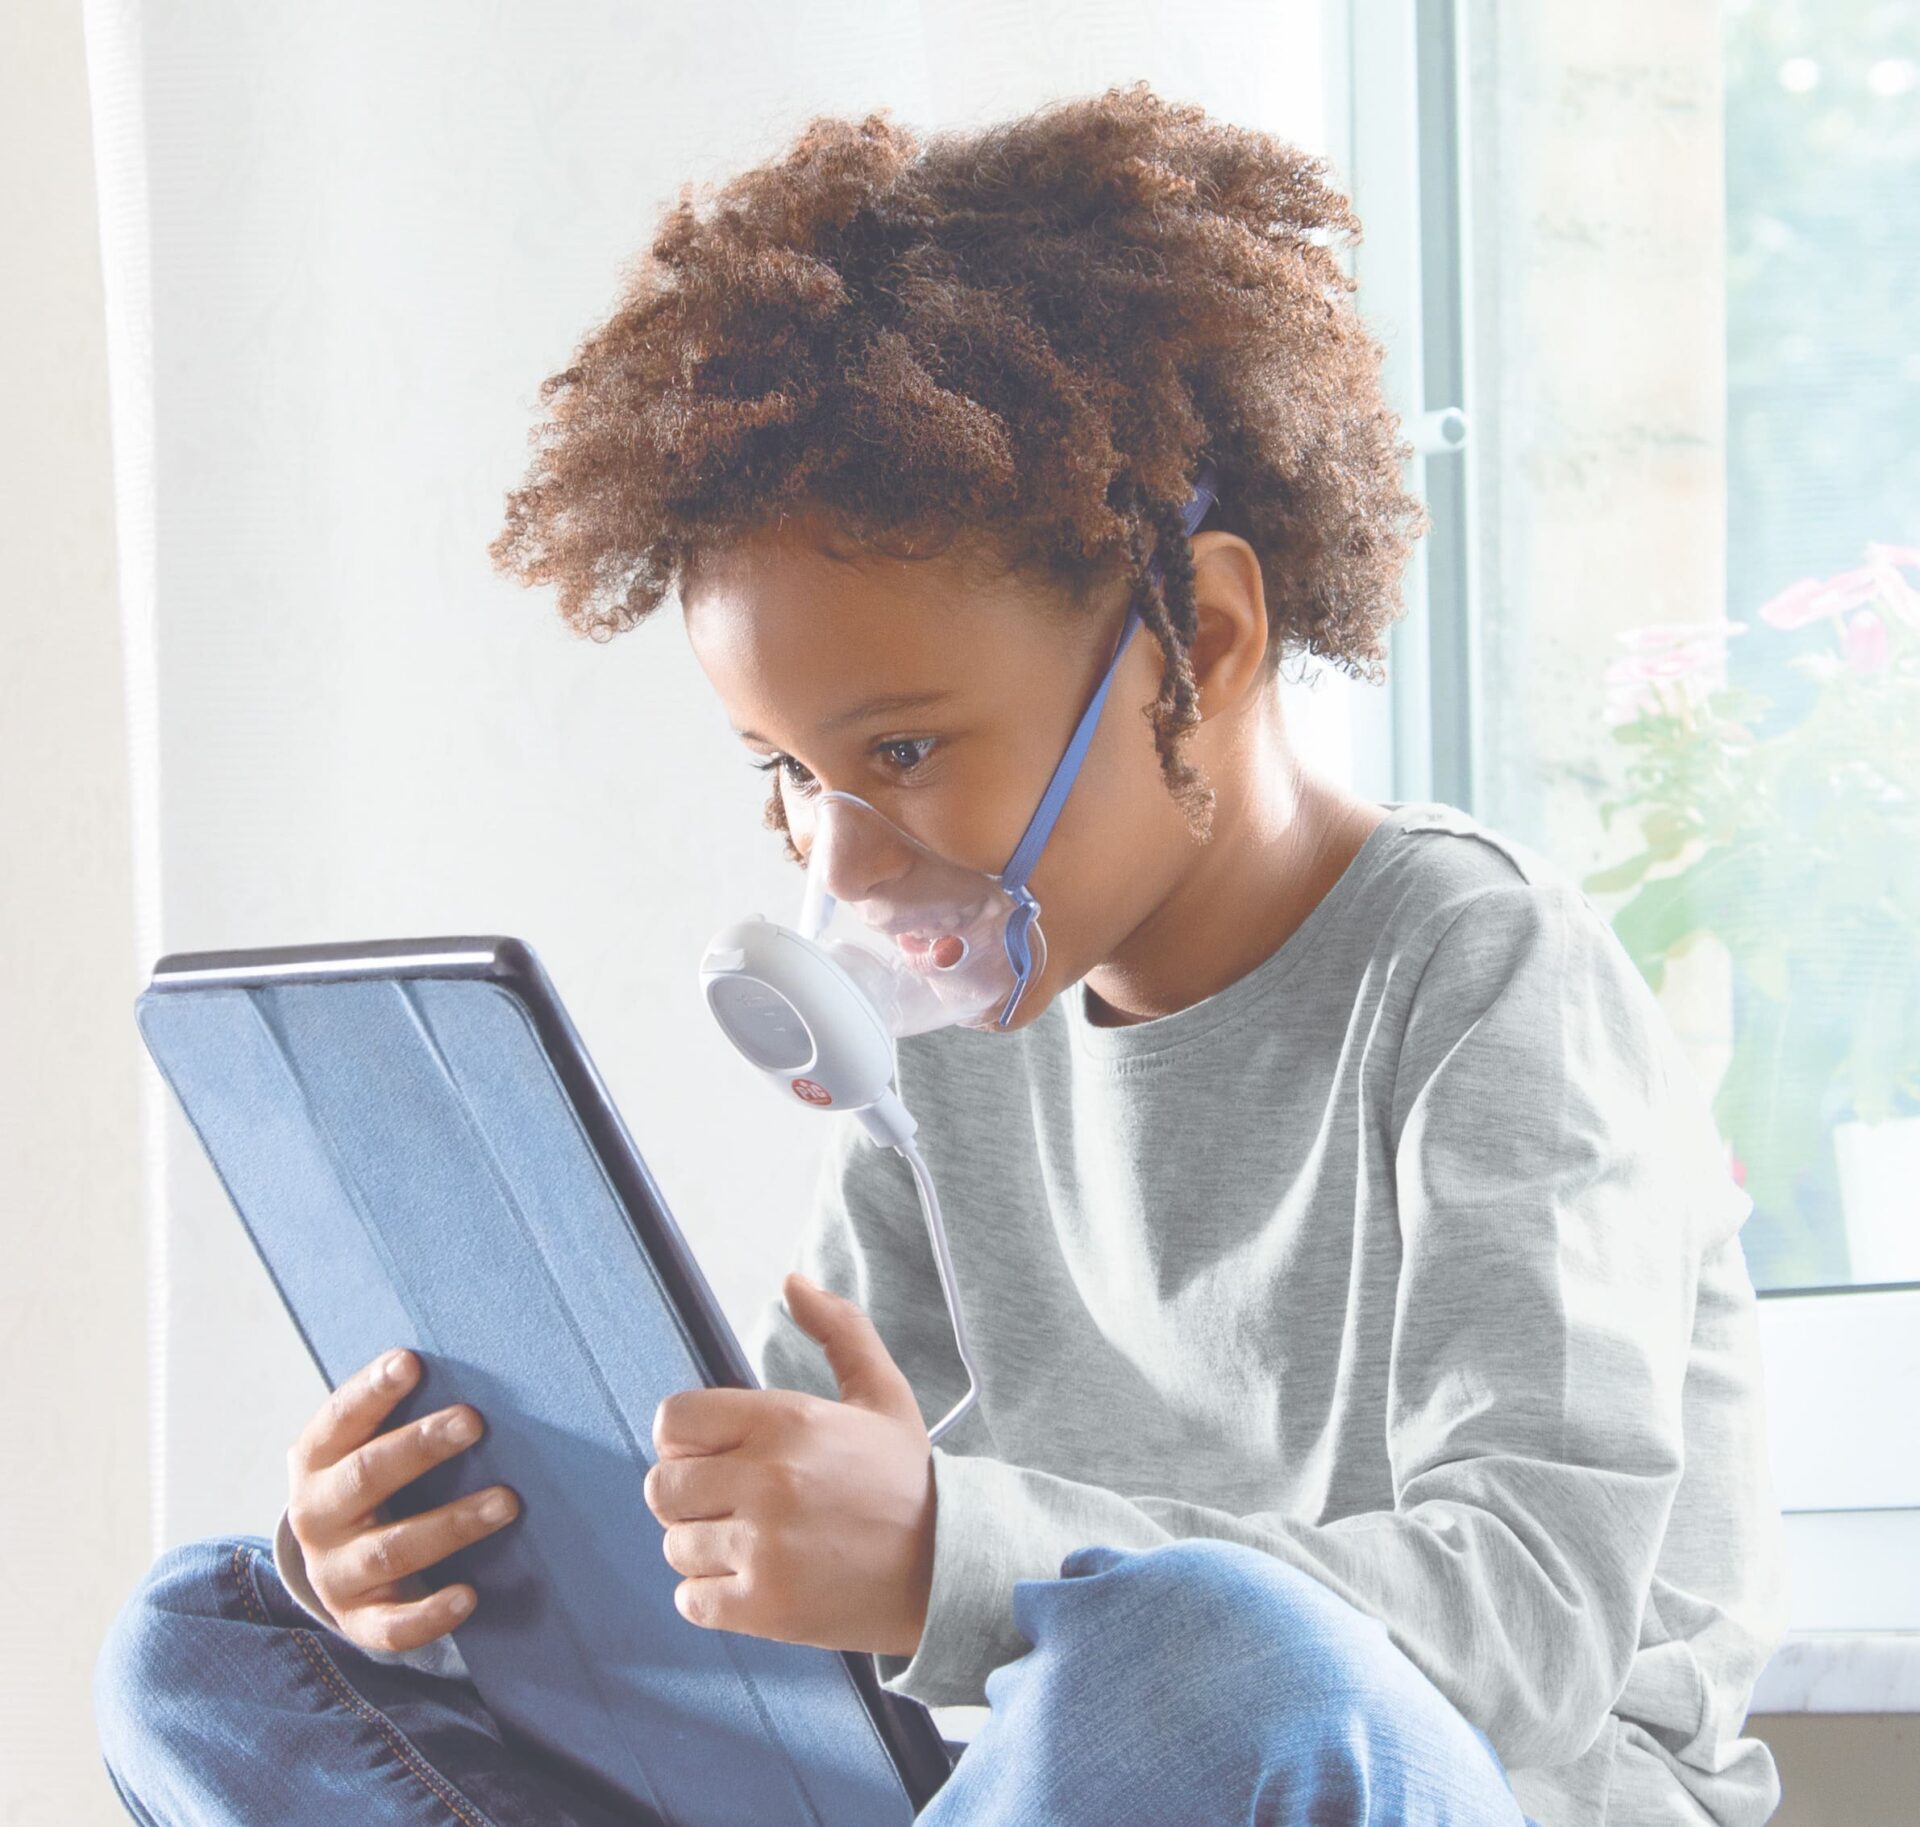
{"points": [[1410, 1257]]}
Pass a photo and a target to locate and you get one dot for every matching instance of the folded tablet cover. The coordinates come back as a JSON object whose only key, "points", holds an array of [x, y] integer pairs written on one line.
{"points": [[412, 1172]]}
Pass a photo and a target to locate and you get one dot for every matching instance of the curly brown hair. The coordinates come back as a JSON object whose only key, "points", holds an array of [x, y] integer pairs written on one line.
{"points": [[1029, 335]]}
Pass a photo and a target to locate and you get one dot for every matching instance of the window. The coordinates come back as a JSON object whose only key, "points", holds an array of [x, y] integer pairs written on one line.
{"points": [[1823, 487], [1662, 268]]}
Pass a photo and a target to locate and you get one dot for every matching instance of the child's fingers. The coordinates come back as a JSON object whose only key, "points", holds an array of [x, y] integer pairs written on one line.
{"points": [[349, 1416], [365, 1567], [393, 1625], [336, 1501]]}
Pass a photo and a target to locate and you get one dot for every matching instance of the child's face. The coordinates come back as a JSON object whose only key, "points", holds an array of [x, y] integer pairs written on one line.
{"points": [[795, 643]]}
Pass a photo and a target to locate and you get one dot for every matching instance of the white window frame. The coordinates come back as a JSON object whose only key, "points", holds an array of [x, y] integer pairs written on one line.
{"points": [[1842, 1364]]}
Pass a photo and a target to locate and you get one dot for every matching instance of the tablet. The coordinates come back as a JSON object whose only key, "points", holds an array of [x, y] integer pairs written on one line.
{"points": [[424, 1155]]}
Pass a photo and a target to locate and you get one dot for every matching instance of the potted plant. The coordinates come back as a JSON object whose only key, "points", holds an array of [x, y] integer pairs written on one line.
{"points": [[1792, 835]]}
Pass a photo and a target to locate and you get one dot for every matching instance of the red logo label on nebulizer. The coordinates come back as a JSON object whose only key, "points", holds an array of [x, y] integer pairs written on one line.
{"points": [[810, 1093]]}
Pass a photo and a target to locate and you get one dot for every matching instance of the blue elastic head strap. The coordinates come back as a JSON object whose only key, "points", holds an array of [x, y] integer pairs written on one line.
{"points": [[1027, 852]]}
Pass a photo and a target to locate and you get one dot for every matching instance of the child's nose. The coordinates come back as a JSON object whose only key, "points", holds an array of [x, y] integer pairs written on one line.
{"points": [[862, 858]]}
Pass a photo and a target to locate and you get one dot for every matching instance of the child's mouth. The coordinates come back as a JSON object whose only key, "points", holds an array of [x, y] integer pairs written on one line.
{"points": [[940, 952]]}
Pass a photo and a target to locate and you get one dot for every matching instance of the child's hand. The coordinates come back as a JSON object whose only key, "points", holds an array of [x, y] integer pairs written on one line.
{"points": [[339, 1471], [797, 1518]]}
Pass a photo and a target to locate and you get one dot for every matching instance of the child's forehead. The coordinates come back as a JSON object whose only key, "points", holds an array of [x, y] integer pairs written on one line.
{"points": [[790, 635], [782, 587]]}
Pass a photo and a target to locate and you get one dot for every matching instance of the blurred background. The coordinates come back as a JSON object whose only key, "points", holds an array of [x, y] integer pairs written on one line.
{"points": [[278, 286]]}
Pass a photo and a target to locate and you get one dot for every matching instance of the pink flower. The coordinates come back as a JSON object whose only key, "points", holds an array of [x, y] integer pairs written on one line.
{"points": [[1814, 598], [1790, 609], [1663, 637], [1633, 689], [1638, 668], [1630, 693], [1898, 595], [1865, 641], [1671, 650], [1685, 652]]}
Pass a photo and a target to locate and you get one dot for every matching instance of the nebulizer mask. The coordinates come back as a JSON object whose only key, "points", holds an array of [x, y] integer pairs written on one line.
{"points": [[894, 939]]}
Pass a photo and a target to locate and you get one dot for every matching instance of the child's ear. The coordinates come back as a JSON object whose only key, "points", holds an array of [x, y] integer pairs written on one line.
{"points": [[1230, 605]]}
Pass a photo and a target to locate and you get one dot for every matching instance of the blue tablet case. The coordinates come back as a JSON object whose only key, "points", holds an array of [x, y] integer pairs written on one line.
{"points": [[423, 1155]]}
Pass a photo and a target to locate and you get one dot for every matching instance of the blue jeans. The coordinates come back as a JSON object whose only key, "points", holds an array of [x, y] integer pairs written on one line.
{"points": [[1197, 1682]]}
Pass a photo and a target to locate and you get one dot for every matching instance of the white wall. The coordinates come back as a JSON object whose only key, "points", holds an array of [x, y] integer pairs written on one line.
{"points": [[373, 230], [73, 1527]]}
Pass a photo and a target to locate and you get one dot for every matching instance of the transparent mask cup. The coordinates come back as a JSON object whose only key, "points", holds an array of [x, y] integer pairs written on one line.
{"points": [[931, 943]]}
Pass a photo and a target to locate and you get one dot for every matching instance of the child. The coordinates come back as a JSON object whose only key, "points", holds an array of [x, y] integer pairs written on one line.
{"points": [[1370, 1418]]}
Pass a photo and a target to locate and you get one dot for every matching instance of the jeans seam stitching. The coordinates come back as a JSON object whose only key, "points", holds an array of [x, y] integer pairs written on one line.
{"points": [[329, 1672]]}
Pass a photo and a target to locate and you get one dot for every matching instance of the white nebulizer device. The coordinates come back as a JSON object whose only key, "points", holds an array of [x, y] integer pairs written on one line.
{"points": [[894, 939]]}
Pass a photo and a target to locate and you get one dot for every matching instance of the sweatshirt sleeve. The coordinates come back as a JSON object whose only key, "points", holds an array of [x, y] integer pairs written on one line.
{"points": [[441, 1656], [1558, 1176], [865, 1237]]}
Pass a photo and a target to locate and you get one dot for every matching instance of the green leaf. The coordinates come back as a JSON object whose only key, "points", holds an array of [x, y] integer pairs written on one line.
{"points": [[1766, 964], [1619, 876], [1657, 918], [1768, 1104], [1667, 832], [1883, 1035]]}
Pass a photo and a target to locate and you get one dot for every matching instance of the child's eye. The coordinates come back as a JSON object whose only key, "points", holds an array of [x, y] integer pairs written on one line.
{"points": [[774, 761], [909, 742], [801, 781]]}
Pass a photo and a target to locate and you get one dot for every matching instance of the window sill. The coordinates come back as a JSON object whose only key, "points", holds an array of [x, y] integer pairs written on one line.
{"points": [[1841, 1671]]}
